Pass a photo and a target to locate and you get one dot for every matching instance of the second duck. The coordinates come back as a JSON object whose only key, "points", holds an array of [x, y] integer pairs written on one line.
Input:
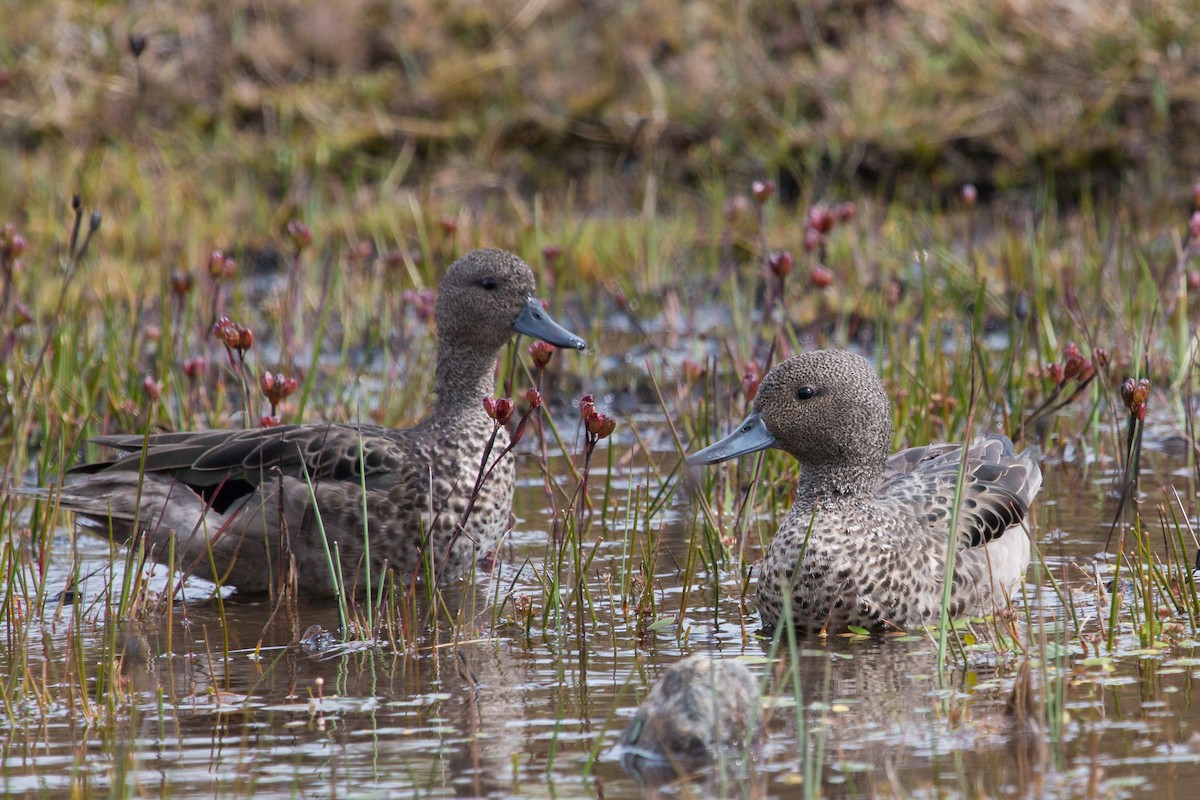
{"points": [[865, 542]]}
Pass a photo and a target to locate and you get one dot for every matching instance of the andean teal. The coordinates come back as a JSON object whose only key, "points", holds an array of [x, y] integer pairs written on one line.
{"points": [[700, 709], [244, 497], [865, 541]]}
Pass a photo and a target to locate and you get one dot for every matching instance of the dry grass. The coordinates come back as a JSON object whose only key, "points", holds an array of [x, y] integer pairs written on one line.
{"points": [[521, 96]]}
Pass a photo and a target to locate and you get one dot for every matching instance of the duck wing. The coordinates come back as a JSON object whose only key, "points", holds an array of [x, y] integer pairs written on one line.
{"points": [[998, 489], [210, 458]]}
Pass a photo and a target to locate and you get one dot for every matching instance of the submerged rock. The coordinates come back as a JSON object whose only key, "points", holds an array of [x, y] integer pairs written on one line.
{"points": [[700, 710]]}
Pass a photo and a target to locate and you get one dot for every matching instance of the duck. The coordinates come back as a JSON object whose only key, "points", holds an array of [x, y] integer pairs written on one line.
{"points": [[700, 709], [266, 508], [865, 541]]}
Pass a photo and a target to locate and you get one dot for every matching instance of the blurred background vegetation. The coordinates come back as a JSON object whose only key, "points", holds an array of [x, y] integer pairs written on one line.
{"points": [[908, 98]]}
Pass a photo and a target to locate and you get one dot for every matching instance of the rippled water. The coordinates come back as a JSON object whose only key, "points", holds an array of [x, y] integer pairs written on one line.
{"points": [[226, 702]]}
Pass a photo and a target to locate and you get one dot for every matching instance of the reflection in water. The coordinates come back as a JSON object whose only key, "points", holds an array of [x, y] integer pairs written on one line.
{"points": [[224, 700]]}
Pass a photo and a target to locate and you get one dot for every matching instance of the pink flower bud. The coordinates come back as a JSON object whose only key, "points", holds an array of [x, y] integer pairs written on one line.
{"points": [[762, 190], [734, 207], [812, 239], [300, 234]]}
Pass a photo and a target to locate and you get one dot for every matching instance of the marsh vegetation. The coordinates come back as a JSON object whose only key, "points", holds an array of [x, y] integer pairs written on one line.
{"points": [[994, 206]]}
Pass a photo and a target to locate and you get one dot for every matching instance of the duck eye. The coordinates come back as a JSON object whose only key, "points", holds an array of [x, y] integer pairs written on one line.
{"points": [[805, 393], [489, 284]]}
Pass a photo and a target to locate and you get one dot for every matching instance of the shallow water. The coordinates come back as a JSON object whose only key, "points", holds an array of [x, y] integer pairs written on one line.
{"points": [[225, 701]]}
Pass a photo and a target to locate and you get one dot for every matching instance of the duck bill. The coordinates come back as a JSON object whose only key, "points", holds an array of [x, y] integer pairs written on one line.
{"points": [[534, 321], [749, 437]]}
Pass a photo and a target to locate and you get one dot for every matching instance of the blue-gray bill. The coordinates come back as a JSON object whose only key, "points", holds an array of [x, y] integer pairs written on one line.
{"points": [[534, 321], [749, 437]]}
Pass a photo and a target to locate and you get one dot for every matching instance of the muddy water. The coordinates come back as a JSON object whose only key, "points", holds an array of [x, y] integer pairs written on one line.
{"points": [[225, 702]]}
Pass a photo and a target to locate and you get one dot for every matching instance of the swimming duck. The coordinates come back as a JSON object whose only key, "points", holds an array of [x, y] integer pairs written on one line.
{"points": [[239, 501], [700, 709], [865, 541]]}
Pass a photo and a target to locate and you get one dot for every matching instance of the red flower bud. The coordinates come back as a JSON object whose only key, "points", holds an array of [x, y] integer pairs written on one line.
{"points": [[820, 277], [533, 398], [194, 367], [1072, 362], [498, 408], [540, 352], [14, 245], [781, 263], [970, 194], [181, 282], [820, 220], [504, 409], [1134, 394], [1055, 372], [268, 421], [587, 405], [751, 378], [152, 388], [277, 387], [21, 315], [600, 426], [216, 261]]}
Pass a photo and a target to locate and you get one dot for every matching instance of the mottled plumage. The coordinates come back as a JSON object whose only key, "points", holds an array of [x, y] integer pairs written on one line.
{"points": [[865, 541], [700, 709], [239, 501]]}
